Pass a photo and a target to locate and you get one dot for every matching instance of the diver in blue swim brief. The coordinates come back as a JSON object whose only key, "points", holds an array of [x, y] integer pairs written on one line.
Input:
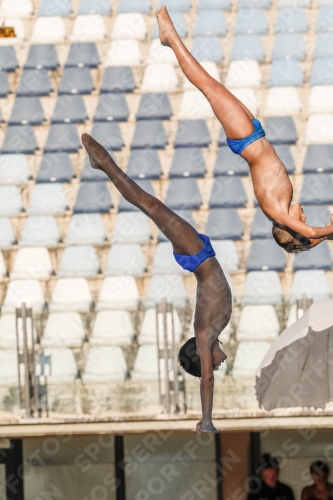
{"points": [[246, 137], [202, 354]]}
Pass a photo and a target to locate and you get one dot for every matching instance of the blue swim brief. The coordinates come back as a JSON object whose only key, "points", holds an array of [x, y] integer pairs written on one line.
{"points": [[238, 145], [191, 262]]}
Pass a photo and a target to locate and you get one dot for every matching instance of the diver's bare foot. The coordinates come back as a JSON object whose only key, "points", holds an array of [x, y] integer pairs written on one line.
{"points": [[97, 154], [167, 29]]}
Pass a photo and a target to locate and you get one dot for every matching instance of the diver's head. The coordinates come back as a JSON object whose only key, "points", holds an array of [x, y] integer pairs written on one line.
{"points": [[189, 358], [289, 240]]}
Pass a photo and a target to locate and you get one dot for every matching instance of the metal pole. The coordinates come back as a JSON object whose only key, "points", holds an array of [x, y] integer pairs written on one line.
{"points": [[174, 360], [166, 357], [19, 359], [158, 355], [26, 362]]}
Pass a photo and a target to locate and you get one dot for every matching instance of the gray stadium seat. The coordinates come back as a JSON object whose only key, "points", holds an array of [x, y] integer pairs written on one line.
{"points": [[125, 260], [281, 130], [192, 133], [317, 189], [10, 201], [143, 6], [48, 199], [171, 287], [86, 229], [89, 174], [248, 47], [289, 45], [126, 206], [227, 192], [254, 24], [265, 255], [318, 258], [149, 134], [317, 215], [186, 215], [164, 261], [93, 197], [324, 21], [42, 56], [27, 110], [131, 227], [19, 139], [224, 224], [112, 107], [322, 71], [108, 134], [52, 8], [214, 4], [117, 79], [55, 167], [222, 138], [250, 4], [262, 287], [207, 48], [318, 158], [187, 162], [291, 20], [227, 163], [178, 22], [284, 153], [8, 59], [144, 164], [154, 106], [4, 84], [40, 231], [101, 7], [323, 46], [7, 238], [183, 194], [76, 81], [62, 138], [286, 73], [210, 22], [105, 364], [176, 5], [34, 82], [79, 262], [83, 54], [69, 109], [313, 283], [261, 226], [14, 169]]}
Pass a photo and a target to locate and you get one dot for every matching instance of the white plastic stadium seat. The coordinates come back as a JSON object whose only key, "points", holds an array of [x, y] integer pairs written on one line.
{"points": [[125, 260], [123, 53], [90, 28], [19, 29], [258, 323], [32, 263], [63, 329], [28, 291], [248, 357], [3, 270], [118, 292], [319, 129], [7, 238], [79, 261], [244, 73], [86, 229], [16, 8], [8, 368], [10, 201], [8, 332], [227, 255], [105, 364], [248, 97], [160, 54], [146, 364], [282, 101], [47, 199], [171, 287], [321, 99], [112, 328], [262, 287], [212, 70], [164, 261], [40, 231], [313, 283], [159, 78], [14, 169], [148, 328], [48, 30], [129, 26], [194, 106], [63, 366], [131, 227], [71, 294]]}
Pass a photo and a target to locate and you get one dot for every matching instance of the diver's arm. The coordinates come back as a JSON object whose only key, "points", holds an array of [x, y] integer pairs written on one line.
{"points": [[300, 227], [206, 383]]}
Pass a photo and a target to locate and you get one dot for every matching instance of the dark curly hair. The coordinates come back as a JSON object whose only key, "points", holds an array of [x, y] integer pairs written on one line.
{"points": [[189, 359], [290, 241], [319, 467]]}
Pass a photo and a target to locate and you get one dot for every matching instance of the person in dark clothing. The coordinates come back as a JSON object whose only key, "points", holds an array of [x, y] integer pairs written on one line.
{"points": [[321, 489], [270, 488]]}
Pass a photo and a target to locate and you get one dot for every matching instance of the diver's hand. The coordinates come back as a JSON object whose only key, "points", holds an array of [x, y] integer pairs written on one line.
{"points": [[330, 236]]}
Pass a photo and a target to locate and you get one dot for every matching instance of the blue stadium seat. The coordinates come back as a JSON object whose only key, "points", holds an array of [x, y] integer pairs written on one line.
{"points": [[42, 56], [192, 133], [83, 54], [34, 82], [323, 46], [313, 283], [19, 139], [318, 158], [317, 215], [27, 110], [214, 4], [40, 231], [112, 107], [288, 46], [14, 170], [265, 255], [79, 262], [52, 8], [317, 189], [248, 47], [7, 238], [291, 20], [178, 22], [154, 106], [92, 198], [227, 163], [251, 24], [284, 153], [184, 214], [10, 201], [149, 134], [117, 79], [55, 167], [261, 226], [324, 20], [286, 73], [250, 4], [227, 192], [101, 7], [48, 199], [262, 287], [183, 194], [90, 174], [318, 258], [108, 134], [4, 84], [187, 162], [8, 59], [281, 130], [69, 109], [210, 22], [126, 206], [142, 6], [224, 224], [207, 48], [86, 229], [76, 81], [62, 138], [322, 71], [176, 5], [144, 164]]}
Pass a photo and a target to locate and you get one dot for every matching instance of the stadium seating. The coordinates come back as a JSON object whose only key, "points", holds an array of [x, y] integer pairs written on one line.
{"points": [[7, 237], [248, 47], [149, 134], [187, 162], [318, 158], [323, 46], [55, 167], [48, 199], [224, 224], [63, 329], [19, 139], [324, 20], [8, 59], [321, 99], [192, 133], [121, 55], [27, 291], [76, 81], [319, 129], [244, 74], [317, 215], [207, 48], [291, 20], [40, 230], [83, 54], [319, 258], [146, 364], [258, 323], [210, 22], [86, 229], [248, 358], [3, 270], [125, 259], [69, 109], [62, 137], [164, 261], [112, 328], [131, 227], [214, 4], [226, 254], [144, 164], [79, 261], [288, 46], [281, 130], [50, 8], [286, 73], [41, 56], [261, 226], [32, 263], [111, 107], [48, 29], [322, 71], [227, 192], [255, 24], [108, 134], [16, 8], [262, 287], [8, 338], [129, 26], [8, 368], [265, 255], [88, 28], [104, 364], [89, 174], [227, 163], [4, 84], [63, 369], [312, 283], [71, 295], [14, 169], [183, 194], [90, 7], [176, 5], [27, 110], [170, 286], [118, 292], [317, 189], [148, 333]]}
